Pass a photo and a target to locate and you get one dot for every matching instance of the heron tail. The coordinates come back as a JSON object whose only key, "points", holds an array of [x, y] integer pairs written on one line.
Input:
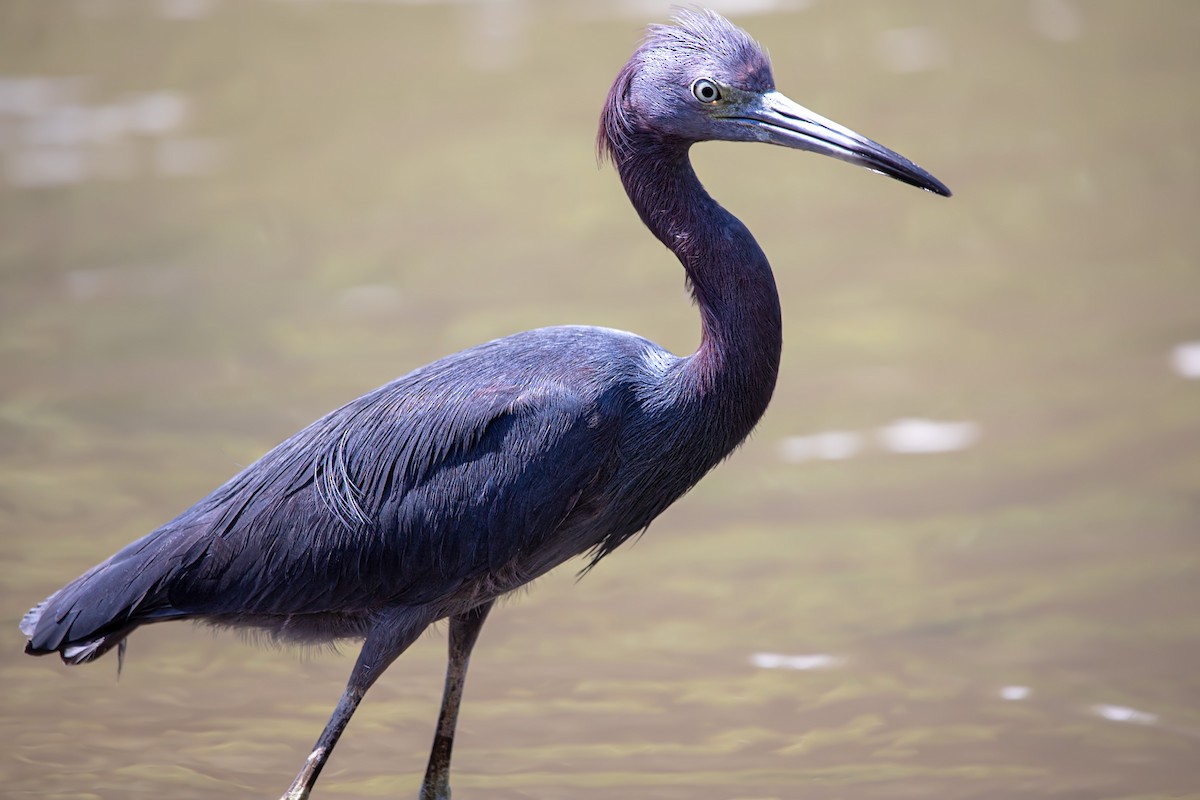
{"points": [[96, 612], [78, 651]]}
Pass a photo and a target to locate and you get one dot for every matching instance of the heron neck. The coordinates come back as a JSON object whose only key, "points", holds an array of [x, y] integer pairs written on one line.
{"points": [[737, 361]]}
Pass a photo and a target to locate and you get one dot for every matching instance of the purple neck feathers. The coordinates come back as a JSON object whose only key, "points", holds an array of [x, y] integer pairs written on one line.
{"points": [[736, 365]]}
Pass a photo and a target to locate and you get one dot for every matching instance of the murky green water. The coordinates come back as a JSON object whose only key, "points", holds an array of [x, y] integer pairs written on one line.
{"points": [[219, 220]]}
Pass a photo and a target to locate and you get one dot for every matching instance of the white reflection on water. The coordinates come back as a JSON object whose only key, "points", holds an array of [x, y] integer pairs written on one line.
{"points": [[53, 137], [1015, 692], [828, 445], [915, 435], [156, 113], [1185, 359], [29, 95], [1124, 714], [51, 121], [800, 662], [908, 436]]}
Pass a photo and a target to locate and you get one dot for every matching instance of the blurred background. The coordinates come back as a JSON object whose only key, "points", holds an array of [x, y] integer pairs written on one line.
{"points": [[960, 558]]}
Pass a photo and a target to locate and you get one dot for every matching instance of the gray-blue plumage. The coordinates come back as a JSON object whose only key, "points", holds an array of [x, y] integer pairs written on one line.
{"points": [[465, 479]]}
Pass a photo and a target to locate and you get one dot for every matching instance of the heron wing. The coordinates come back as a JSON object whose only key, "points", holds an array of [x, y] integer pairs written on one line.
{"points": [[405, 495], [464, 469]]}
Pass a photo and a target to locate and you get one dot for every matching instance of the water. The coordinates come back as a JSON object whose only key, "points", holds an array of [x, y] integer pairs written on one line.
{"points": [[244, 214]]}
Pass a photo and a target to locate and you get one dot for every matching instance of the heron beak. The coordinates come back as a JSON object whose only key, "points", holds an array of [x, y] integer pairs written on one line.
{"points": [[778, 120]]}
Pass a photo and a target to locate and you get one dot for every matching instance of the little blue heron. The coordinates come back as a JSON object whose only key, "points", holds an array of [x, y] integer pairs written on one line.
{"points": [[430, 497]]}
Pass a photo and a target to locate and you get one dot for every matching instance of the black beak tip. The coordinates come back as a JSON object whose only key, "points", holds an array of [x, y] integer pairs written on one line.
{"points": [[923, 180], [937, 187], [905, 171]]}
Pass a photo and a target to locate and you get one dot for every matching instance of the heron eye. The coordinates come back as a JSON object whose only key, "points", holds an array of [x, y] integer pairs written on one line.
{"points": [[706, 91]]}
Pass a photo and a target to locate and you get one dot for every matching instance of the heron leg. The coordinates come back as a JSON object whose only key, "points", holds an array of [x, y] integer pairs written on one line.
{"points": [[464, 630], [388, 639]]}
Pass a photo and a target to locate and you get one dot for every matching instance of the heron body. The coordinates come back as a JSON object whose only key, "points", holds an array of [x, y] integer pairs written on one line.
{"points": [[435, 494]]}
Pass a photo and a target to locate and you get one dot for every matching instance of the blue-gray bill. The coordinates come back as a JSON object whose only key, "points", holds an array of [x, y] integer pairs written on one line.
{"points": [[779, 120]]}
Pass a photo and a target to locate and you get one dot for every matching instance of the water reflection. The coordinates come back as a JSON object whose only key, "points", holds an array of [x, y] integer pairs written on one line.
{"points": [[1110, 712], [826, 445], [1124, 714], [915, 435], [908, 436], [54, 137], [1185, 359], [797, 662]]}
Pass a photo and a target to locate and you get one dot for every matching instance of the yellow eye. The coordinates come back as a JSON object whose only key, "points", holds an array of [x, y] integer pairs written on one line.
{"points": [[706, 91]]}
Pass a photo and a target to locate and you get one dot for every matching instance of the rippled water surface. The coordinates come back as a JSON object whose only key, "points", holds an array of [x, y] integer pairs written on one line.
{"points": [[960, 558]]}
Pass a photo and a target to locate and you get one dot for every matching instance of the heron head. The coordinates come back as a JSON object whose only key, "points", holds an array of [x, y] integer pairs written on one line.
{"points": [[704, 78]]}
